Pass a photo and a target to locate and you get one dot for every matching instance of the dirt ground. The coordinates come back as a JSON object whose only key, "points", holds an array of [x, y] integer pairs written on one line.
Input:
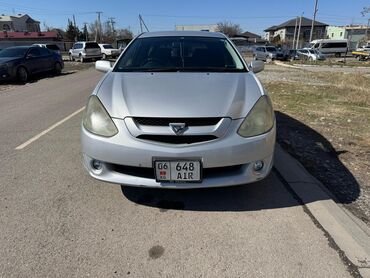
{"points": [[323, 117]]}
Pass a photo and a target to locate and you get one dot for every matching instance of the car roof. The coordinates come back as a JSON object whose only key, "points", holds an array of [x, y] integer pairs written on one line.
{"points": [[182, 34], [23, 46]]}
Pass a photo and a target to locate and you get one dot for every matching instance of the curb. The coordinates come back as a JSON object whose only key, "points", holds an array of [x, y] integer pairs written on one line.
{"points": [[350, 234]]}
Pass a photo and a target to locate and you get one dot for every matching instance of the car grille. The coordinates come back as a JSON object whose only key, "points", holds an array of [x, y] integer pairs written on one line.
{"points": [[174, 139], [167, 121], [148, 173]]}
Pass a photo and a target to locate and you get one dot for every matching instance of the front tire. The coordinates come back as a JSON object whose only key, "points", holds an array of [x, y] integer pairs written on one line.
{"points": [[22, 75]]}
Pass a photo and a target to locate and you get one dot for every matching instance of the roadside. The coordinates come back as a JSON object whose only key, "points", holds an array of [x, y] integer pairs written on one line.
{"points": [[69, 68], [323, 121]]}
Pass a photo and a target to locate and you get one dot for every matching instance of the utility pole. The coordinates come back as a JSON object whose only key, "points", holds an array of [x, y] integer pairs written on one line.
{"points": [[367, 30], [299, 31], [313, 21], [295, 31], [112, 22], [98, 27], [142, 23]]}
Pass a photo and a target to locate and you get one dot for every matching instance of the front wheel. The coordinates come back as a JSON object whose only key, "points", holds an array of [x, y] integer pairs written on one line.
{"points": [[22, 75]]}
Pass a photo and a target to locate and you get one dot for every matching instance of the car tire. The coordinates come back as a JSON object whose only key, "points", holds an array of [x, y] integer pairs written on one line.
{"points": [[57, 68], [22, 75]]}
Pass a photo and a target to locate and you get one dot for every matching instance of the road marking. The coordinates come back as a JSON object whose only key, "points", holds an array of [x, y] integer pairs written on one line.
{"points": [[34, 138]]}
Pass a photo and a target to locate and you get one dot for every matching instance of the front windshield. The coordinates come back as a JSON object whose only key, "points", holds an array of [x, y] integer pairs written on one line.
{"points": [[13, 52], [180, 54]]}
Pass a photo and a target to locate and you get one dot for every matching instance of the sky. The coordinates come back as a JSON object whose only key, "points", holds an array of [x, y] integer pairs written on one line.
{"points": [[252, 15]]}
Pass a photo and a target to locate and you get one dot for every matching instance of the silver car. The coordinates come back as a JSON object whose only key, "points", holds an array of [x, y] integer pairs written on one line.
{"points": [[179, 110], [84, 51]]}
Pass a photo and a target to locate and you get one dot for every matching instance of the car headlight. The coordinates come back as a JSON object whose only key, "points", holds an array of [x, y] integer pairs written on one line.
{"points": [[97, 120], [259, 120]]}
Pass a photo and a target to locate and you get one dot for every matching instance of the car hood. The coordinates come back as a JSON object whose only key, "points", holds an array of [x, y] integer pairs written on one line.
{"points": [[4, 60], [179, 94]]}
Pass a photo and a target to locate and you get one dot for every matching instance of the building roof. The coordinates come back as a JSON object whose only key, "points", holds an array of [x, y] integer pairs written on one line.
{"points": [[182, 34], [29, 35], [250, 35], [306, 22], [4, 17]]}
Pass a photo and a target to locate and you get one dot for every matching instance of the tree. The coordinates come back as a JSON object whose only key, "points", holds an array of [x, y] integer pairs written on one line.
{"points": [[72, 32], [85, 33], [365, 11], [228, 28], [124, 34]]}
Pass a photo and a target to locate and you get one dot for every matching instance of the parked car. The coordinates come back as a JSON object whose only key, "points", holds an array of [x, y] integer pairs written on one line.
{"points": [[85, 51], [266, 53], [310, 54], [109, 51], [179, 109], [330, 47], [50, 46], [20, 62]]}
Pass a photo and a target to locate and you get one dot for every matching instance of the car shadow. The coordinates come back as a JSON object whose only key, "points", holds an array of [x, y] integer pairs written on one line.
{"points": [[37, 77], [309, 147]]}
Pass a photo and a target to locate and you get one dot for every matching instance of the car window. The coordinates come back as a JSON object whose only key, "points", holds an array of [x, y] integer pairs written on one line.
{"points": [[107, 46], [180, 54], [52, 47], [34, 52], [91, 45], [77, 46], [270, 49], [44, 51]]}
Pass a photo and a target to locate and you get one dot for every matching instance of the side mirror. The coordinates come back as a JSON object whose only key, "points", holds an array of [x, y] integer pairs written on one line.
{"points": [[257, 66], [103, 66]]}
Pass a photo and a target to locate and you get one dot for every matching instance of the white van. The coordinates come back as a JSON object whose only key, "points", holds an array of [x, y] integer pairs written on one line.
{"points": [[327, 47]]}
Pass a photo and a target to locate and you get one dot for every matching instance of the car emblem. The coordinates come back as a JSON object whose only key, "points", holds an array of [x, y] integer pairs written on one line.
{"points": [[178, 128]]}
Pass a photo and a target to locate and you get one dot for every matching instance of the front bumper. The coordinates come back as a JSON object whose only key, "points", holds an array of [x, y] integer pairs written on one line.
{"points": [[229, 152]]}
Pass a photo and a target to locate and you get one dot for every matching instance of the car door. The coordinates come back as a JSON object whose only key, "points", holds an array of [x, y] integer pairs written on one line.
{"points": [[32, 61], [46, 59], [262, 53]]}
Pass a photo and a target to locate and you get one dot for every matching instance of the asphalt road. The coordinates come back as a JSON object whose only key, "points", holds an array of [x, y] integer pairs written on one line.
{"points": [[56, 221]]}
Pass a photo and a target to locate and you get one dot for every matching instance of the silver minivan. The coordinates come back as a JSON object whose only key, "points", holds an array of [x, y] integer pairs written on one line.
{"points": [[83, 51]]}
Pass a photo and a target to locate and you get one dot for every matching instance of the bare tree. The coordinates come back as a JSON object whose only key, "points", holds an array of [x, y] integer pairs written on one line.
{"points": [[228, 28], [365, 11]]}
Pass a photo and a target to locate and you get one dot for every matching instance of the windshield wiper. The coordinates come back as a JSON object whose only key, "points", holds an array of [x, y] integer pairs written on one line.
{"points": [[181, 69]]}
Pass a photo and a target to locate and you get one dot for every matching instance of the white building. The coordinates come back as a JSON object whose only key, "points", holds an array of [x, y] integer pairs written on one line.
{"points": [[197, 27], [19, 23]]}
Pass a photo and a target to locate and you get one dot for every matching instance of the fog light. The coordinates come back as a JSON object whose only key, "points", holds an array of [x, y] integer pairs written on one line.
{"points": [[97, 164], [258, 165]]}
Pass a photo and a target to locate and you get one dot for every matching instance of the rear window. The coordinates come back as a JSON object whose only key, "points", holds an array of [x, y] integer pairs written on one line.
{"points": [[52, 47], [91, 45], [107, 46]]}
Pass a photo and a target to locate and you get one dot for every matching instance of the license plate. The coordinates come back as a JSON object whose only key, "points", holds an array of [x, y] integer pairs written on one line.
{"points": [[178, 170]]}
